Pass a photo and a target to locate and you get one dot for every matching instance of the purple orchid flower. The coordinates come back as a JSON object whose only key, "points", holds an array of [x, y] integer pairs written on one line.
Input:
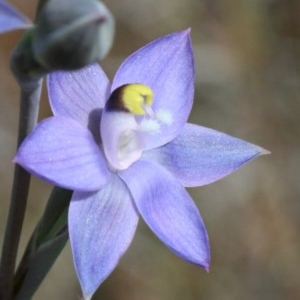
{"points": [[11, 18], [126, 150]]}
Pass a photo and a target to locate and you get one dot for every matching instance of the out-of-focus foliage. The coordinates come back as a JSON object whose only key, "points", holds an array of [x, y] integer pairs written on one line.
{"points": [[247, 56]]}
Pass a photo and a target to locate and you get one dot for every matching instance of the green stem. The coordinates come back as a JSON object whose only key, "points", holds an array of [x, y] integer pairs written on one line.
{"points": [[44, 246], [41, 3], [29, 107]]}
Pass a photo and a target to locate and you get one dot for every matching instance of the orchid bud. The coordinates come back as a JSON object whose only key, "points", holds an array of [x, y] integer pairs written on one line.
{"points": [[73, 33], [23, 63]]}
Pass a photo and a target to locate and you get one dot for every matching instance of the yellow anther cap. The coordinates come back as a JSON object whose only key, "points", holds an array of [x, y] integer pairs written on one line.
{"points": [[132, 98]]}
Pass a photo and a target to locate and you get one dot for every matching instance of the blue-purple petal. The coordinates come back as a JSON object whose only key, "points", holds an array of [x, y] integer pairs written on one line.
{"points": [[169, 211], [79, 94], [167, 66], [101, 227], [63, 152], [200, 155], [11, 18]]}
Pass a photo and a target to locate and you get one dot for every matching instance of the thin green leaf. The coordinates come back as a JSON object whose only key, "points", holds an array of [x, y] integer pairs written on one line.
{"points": [[44, 246], [40, 264], [55, 215]]}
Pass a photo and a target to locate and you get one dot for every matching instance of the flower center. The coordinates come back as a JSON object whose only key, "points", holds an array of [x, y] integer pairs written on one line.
{"points": [[137, 98], [126, 121]]}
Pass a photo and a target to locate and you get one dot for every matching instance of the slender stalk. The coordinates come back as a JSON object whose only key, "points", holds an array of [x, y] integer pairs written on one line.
{"points": [[29, 107], [41, 3]]}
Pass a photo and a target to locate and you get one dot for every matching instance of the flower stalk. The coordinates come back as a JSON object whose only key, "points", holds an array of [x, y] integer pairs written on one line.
{"points": [[29, 107]]}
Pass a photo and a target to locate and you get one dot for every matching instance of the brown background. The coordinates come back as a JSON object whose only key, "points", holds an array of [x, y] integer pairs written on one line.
{"points": [[248, 83]]}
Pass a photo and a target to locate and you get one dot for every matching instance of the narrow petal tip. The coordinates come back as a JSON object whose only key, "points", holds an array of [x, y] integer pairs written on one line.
{"points": [[187, 31], [263, 151], [206, 265], [11, 18], [203, 262]]}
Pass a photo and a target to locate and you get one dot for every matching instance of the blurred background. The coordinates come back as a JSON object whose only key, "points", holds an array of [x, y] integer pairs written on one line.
{"points": [[247, 56]]}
